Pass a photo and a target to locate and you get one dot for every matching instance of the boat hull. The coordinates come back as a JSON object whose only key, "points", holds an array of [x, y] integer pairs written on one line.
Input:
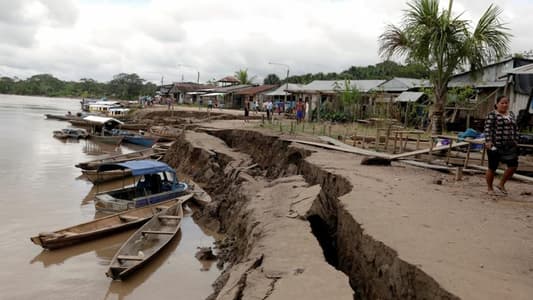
{"points": [[146, 242], [146, 141], [94, 164], [101, 227], [112, 140], [99, 177], [106, 203]]}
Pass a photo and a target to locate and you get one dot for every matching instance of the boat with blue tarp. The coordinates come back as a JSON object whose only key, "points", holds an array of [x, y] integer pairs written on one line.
{"points": [[154, 182]]}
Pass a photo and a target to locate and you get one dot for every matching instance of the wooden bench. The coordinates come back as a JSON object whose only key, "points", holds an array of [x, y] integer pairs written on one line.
{"points": [[169, 218], [125, 218], [156, 232], [130, 257]]}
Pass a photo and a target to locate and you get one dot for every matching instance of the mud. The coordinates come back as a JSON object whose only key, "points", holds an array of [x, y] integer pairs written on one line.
{"points": [[287, 232]]}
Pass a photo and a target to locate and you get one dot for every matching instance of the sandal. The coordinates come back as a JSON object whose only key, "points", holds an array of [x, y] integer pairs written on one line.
{"points": [[502, 189]]}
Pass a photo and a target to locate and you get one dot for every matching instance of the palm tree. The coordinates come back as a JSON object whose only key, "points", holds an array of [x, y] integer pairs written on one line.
{"points": [[242, 76], [444, 44]]}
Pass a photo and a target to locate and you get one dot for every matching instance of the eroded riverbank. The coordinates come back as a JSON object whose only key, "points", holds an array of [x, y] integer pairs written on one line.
{"points": [[388, 229]]}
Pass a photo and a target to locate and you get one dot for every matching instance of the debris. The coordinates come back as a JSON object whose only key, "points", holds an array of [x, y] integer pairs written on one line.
{"points": [[375, 161], [205, 253]]}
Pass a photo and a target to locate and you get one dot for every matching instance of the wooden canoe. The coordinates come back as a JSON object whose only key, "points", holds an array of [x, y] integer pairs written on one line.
{"points": [[146, 242], [200, 196], [94, 164], [102, 226], [98, 177], [107, 139]]}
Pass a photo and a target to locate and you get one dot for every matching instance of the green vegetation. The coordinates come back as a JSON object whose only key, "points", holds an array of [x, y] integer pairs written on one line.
{"points": [[272, 79], [384, 70], [123, 86], [445, 43], [243, 76]]}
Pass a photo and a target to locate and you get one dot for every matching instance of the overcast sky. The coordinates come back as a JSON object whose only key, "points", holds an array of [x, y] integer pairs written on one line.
{"points": [[99, 38]]}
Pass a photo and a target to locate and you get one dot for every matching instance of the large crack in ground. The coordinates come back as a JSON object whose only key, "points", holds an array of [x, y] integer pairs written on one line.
{"points": [[270, 200]]}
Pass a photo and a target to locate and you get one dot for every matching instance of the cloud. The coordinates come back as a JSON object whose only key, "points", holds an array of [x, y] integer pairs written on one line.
{"points": [[97, 39]]}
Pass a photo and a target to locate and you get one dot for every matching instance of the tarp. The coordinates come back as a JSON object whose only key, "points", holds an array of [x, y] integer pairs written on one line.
{"points": [[409, 97], [138, 167], [101, 120]]}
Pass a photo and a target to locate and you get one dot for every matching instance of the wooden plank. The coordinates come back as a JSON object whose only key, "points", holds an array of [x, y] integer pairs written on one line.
{"points": [[130, 257], [347, 148], [170, 217], [128, 218], [157, 232], [423, 151], [500, 172]]}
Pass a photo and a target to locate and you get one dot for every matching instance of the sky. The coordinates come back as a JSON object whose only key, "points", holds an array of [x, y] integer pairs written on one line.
{"points": [[177, 39]]}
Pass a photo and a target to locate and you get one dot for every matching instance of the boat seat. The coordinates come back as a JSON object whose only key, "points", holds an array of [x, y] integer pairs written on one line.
{"points": [[128, 218], [130, 257], [156, 232], [169, 217]]}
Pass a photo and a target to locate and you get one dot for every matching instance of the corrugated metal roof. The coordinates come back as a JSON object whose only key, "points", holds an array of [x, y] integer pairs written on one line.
{"points": [[526, 69], [331, 86], [280, 91], [409, 97], [484, 84], [231, 88], [101, 120], [256, 89], [403, 84]]}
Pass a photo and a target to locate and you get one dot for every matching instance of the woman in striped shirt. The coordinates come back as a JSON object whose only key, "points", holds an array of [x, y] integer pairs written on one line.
{"points": [[501, 140]]}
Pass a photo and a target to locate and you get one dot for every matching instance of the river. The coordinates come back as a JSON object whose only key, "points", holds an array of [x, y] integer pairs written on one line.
{"points": [[41, 191]]}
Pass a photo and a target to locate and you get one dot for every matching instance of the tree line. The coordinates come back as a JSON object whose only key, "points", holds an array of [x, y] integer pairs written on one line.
{"points": [[385, 70], [122, 86]]}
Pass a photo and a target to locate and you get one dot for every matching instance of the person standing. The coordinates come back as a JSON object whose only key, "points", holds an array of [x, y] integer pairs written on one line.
{"points": [[246, 110], [501, 142], [299, 111], [210, 104], [269, 109]]}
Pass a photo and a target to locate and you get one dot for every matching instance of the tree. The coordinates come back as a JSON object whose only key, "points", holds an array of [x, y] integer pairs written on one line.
{"points": [[242, 76], [445, 43], [125, 86], [272, 79]]}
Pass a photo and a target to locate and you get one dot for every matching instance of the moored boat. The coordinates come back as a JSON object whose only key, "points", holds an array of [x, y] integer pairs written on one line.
{"points": [[102, 226], [94, 164], [106, 139], [73, 133], [146, 242], [156, 182], [95, 176]]}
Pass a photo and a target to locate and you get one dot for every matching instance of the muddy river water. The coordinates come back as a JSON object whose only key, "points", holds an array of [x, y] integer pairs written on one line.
{"points": [[41, 191]]}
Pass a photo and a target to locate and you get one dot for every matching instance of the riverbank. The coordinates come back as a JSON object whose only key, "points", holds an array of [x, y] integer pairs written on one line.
{"points": [[392, 231]]}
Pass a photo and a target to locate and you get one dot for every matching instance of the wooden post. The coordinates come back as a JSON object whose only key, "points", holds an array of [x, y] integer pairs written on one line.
{"points": [[449, 152], [292, 127], [418, 141], [313, 128], [364, 137], [401, 142], [430, 149], [395, 142], [377, 137], [467, 155], [458, 174], [467, 119], [280, 127], [329, 130], [387, 134]]}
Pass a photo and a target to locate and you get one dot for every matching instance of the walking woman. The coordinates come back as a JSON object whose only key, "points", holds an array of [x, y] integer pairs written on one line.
{"points": [[501, 142]]}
